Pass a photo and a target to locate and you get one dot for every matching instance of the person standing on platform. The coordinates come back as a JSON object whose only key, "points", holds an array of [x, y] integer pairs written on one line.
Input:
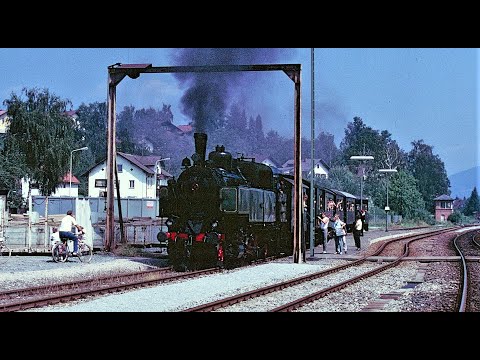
{"points": [[357, 229], [324, 220], [363, 216], [340, 231]]}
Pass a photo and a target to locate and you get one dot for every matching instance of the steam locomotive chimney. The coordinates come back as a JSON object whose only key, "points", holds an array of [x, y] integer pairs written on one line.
{"points": [[200, 148]]}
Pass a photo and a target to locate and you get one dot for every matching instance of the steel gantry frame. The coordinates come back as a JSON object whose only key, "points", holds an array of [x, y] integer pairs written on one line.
{"points": [[117, 72]]}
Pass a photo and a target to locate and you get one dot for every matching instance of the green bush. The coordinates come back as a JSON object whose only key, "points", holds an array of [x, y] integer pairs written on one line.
{"points": [[457, 217], [424, 216]]}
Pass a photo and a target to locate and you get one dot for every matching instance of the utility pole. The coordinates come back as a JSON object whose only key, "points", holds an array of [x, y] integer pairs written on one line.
{"points": [[312, 171]]}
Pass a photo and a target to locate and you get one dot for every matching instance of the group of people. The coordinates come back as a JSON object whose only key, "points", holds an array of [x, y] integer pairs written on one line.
{"points": [[332, 206], [340, 232]]}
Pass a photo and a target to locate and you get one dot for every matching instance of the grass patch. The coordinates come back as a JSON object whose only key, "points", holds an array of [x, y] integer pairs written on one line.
{"points": [[128, 250]]}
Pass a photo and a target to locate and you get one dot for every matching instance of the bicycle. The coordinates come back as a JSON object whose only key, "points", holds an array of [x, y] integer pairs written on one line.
{"points": [[63, 249], [5, 251]]}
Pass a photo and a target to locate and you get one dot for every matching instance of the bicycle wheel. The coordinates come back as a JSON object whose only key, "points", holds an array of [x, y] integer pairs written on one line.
{"points": [[60, 252], [84, 252]]}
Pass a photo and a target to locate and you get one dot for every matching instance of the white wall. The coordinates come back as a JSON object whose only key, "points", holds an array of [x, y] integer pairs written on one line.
{"points": [[62, 190], [4, 123], [3, 214], [319, 171], [144, 186]]}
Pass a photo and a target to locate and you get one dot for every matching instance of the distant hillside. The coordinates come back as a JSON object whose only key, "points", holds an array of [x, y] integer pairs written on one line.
{"points": [[462, 183]]}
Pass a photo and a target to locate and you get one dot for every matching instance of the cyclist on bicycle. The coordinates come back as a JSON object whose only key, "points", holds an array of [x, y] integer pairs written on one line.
{"points": [[65, 229]]}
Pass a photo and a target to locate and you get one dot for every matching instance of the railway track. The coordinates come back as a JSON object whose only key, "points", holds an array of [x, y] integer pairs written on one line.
{"points": [[39, 296], [467, 245], [297, 303], [51, 294], [74, 293], [476, 240]]}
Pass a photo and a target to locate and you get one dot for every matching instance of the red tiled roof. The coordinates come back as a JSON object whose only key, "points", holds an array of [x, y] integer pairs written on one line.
{"points": [[66, 179], [185, 128], [139, 161], [443, 198], [71, 112]]}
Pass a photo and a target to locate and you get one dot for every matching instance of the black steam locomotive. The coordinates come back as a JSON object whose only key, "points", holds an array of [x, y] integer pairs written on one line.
{"points": [[228, 212]]}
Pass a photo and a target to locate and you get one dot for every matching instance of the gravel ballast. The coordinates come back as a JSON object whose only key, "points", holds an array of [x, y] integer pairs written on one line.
{"points": [[173, 297]]}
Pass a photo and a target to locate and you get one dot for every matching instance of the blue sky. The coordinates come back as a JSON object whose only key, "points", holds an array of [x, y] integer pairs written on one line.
{"points": [[430, 94]]}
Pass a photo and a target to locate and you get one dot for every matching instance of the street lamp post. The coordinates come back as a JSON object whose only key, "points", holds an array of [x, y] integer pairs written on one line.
{"points": [[387, 208], [361, 158], [71, 157]]}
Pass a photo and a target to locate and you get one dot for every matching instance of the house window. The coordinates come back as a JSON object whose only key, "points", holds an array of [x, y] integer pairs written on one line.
{"points": [[444, 205], [119, 168], [100, 183], [132, 184]]}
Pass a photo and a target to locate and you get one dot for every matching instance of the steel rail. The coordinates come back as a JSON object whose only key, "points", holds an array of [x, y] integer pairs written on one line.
{"points": [[210, 306], [97, 289]]}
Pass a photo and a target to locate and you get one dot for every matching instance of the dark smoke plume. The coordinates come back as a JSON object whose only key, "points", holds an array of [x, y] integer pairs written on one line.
{"points": [[208, 95]]}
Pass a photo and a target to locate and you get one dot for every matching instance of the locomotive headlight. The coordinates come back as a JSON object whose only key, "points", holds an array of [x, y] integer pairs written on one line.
{"points": [[169, 222]]}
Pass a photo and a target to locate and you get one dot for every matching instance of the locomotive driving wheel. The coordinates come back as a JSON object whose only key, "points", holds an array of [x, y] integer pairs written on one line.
{"points": [[235, 249], [262, 251], [179, 253]]}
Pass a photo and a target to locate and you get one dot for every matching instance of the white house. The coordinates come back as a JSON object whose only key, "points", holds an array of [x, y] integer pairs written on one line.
{"points": [[138, 176], [62, 190], [4, 121], [267, 161], [321, 169]]}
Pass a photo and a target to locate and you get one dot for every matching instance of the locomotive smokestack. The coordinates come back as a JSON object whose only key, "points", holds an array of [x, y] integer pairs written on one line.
{"points": [[200, 148]]}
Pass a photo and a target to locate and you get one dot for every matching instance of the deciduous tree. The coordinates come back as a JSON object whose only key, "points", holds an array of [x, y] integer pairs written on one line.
{"points": [[404, 197], [44, 135], [429, 171]]}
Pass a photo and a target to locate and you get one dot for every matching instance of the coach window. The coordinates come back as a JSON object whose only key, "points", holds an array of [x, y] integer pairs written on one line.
{"points": [[322, 204], [330, 202], [350, 206], [229, 199]]}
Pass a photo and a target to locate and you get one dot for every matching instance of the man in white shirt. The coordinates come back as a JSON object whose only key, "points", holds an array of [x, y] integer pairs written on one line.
{"points": [[65, 230]]}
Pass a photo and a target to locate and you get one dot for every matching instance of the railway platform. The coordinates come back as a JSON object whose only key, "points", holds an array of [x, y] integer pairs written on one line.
{"points": [[369, 237]]}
